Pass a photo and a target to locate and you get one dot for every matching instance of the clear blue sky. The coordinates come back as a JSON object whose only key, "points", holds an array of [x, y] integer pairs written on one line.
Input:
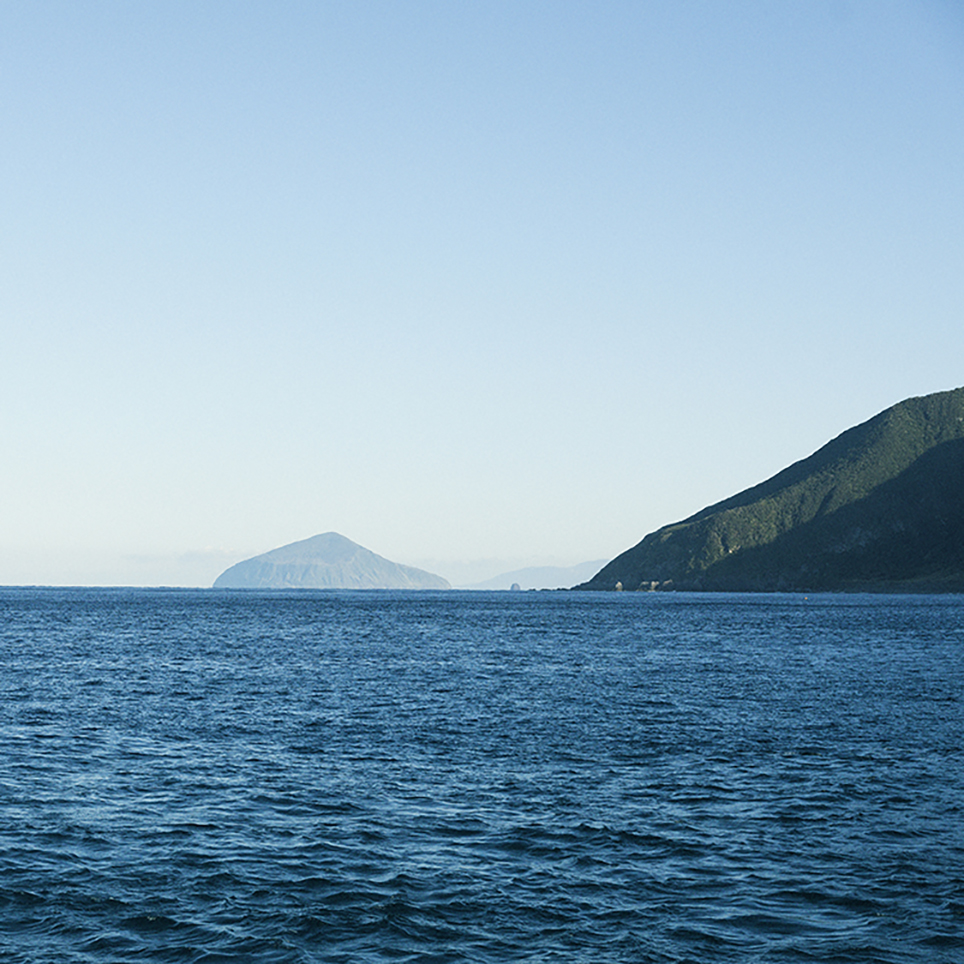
{"points": [[505, 281]]}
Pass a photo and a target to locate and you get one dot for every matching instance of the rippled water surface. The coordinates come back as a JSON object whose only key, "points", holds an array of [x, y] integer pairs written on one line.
{"points": [[566, 777]]}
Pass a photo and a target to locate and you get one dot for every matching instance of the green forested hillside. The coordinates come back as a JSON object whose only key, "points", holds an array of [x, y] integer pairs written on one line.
{"points": [[881, 507]]}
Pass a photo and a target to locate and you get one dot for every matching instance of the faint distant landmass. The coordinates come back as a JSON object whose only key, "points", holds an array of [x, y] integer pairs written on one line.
{"points": [[327, 561], [541, 577]]}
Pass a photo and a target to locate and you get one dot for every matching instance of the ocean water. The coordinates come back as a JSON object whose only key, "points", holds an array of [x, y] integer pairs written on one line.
{"points": [[420, 777]]}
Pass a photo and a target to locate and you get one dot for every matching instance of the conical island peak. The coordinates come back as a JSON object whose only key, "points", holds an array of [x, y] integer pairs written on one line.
{"points": [[326, 561]]}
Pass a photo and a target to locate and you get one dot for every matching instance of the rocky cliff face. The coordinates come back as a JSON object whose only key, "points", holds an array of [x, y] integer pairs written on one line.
{"points": [[879, 508], [328, 561]]}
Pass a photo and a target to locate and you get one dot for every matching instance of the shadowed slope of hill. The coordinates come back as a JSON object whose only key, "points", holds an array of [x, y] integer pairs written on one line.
{"points": [[880, 507], [328, 561]]}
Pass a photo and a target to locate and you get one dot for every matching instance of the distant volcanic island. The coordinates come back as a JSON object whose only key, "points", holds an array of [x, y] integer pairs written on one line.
{"points": [[327, 561], [878, 509]]}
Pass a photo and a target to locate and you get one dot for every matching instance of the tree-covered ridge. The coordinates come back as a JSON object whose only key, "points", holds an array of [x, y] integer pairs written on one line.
{"points": [[880, 506]]}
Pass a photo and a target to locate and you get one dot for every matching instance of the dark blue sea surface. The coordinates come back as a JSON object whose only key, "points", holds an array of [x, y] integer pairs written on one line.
{"points": [[555, 777]]}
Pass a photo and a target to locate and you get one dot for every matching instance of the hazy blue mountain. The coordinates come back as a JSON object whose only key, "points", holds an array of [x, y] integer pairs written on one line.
{"points": [[879, 508], [328, 561], [541, 577]]}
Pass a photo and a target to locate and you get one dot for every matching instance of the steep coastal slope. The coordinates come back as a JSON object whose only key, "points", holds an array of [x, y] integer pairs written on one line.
{"points": [[328, 561], [881, 507]]}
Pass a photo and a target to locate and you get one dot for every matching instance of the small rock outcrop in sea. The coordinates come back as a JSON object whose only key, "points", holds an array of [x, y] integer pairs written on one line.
{"points": [[878, 509], [541, 577], [327, 561]]}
